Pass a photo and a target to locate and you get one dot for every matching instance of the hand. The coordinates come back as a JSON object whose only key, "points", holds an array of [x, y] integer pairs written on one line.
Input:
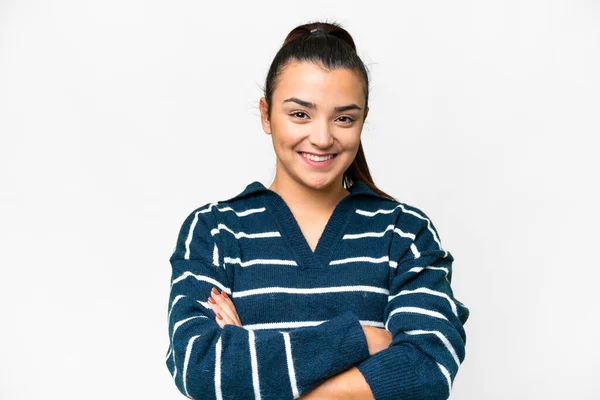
{"points": [[224, 309], [377, 338]]}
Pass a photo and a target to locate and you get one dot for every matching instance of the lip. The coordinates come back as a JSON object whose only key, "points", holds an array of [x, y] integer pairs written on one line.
{"points": [[318, 164], [317, 154]]}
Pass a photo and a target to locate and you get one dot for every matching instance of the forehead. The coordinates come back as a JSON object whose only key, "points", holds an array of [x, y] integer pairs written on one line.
{"points": [[311, 82]]}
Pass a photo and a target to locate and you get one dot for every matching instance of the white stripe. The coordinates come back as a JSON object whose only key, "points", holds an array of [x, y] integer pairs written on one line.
{"points": [[282, 325], [374, 213], [300, 324], [419, 269], [238, 213], [404, 234], [435, 237], [413, 248], [367, 234], [169, 353], [183, 321], [205, 278], [417, 310], [242, 213], [175, 300], [177, 325], [394, 264], [205, 304], [188, 351], [188, 240], [206, 210], [215, 256], [428, 291], [240, 234], [447, 376], [255, 378], [401, 206], [317, 290], [290, 364], [360, 259], [259, 261], [218, 391], [444, 340]]}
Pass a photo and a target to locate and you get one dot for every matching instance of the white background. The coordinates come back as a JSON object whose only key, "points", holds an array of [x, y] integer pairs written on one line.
{"points": [[118, 118]]}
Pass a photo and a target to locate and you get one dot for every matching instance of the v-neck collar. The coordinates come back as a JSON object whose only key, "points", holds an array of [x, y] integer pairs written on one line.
{"points": [[291, 232]]}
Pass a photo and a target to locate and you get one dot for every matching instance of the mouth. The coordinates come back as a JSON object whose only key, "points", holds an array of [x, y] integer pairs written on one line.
{"points": [[317, 157], [316, 160]]}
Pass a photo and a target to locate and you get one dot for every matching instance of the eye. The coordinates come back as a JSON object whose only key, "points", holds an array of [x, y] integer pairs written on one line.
{"points": [[299, 115], [349, 119], [295, 113]]}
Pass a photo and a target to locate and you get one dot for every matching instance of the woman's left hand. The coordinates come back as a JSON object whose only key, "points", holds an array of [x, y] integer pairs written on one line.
{"points": [[223, 307]]}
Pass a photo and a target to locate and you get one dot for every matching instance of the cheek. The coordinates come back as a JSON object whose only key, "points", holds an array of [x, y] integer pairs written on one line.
{"points": [[291, 131], [288, 135], [350, 140]]}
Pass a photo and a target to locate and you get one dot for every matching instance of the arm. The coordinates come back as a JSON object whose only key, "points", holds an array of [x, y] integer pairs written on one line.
{"points": [[351, 384], [348, 385], [426, 321], [210, 362]]}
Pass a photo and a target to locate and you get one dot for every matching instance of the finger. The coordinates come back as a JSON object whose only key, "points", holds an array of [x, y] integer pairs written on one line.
{"points": [[221, 322], [219, 305], [228, 300], [224, 318], [227, 307]]}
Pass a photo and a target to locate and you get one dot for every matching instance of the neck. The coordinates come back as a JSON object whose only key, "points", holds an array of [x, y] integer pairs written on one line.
{"points": [[298, 194]]}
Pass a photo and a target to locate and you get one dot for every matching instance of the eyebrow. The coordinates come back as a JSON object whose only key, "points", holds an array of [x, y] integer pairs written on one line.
{"points": [[308, 104]]}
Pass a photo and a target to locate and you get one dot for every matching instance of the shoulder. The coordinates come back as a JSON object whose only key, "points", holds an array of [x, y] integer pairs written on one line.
{"points": [[200, 216], [401, 214], [210, 218], [196, 226]]}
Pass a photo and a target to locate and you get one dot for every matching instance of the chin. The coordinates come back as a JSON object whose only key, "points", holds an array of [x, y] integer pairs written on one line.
{"points": [[320, 182]]}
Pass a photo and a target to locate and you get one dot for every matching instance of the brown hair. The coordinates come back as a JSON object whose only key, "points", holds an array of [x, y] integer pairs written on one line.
{"points": [[331, 46]]}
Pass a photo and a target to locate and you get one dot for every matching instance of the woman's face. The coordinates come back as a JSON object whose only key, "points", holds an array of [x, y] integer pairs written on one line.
{"points": [[318, 112]]}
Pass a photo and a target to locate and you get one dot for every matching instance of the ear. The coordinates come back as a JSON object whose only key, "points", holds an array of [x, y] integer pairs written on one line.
{"points": [[366, 112], [264, 115]]}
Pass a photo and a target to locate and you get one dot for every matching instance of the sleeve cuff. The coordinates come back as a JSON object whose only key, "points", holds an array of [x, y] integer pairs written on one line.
{"points": [[356, 347], [391, 375], [327, 349]]}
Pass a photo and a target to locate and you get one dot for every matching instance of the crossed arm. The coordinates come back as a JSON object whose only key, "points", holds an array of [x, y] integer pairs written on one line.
{"points": [[422, 316], [347, 385]]}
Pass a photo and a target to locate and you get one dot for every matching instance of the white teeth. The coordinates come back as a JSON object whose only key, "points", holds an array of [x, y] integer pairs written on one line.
{"points": [[317, 158]]}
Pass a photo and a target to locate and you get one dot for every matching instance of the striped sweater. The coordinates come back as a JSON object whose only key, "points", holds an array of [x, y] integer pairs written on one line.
{"points": [[378, 262]]}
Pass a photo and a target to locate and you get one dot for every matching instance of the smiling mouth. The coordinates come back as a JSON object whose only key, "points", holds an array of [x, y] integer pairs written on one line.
{"points": [[314, 157]]}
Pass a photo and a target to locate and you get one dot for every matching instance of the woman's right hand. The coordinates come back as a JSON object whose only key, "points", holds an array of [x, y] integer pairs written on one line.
{"points": [[377, 338]]}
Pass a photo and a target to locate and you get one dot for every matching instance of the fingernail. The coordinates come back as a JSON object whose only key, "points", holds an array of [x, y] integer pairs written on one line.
{"points": [[215, 291], [211, 300], [224, 294], [219, 316]]}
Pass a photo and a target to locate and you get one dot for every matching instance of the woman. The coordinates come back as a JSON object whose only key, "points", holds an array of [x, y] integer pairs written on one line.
{"points": [[321, 286]]}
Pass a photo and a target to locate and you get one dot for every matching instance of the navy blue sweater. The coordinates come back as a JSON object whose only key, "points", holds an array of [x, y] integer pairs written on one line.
{"points": [[378, 263]]}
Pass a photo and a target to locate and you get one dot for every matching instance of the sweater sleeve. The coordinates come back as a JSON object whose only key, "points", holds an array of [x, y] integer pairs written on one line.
{"points": [[233, 362], [425, 319]]}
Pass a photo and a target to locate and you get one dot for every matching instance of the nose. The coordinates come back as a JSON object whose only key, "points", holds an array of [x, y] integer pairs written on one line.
{"points": [[321, 135]]}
